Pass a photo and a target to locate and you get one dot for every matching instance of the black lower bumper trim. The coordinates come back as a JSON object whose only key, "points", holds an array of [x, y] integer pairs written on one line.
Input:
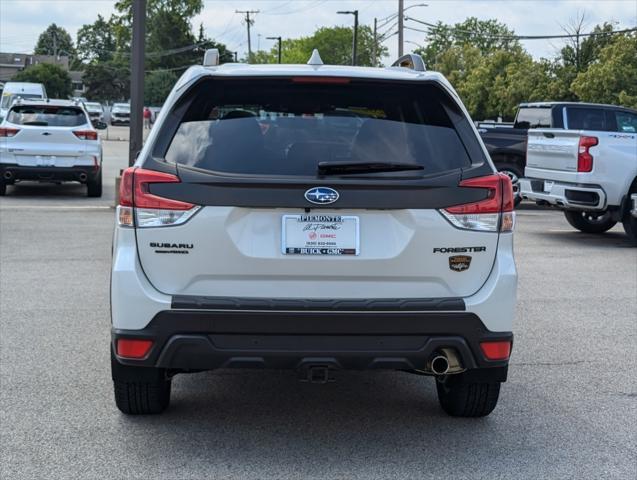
{"points": [[64, 174], [381, 304], [189, 340]]}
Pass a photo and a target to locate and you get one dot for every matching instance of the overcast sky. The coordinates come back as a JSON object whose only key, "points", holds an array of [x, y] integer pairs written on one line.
{"points": [[21, 21]]}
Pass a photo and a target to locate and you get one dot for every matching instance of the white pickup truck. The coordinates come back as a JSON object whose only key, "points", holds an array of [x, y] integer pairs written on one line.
{"points": [[589, 170]]}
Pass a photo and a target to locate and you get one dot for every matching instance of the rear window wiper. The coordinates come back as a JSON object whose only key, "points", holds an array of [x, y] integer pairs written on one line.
{"points": [[344, 168]]}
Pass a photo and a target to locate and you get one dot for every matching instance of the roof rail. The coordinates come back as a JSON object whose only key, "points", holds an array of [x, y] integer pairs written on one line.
{"points": [[412, 61]]}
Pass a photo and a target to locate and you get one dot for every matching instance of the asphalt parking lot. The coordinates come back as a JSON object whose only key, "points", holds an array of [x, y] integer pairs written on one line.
{"points": [[567, 411]]}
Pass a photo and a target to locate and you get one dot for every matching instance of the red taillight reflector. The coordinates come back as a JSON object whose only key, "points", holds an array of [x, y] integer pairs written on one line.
{"points": [[310, 79], [500, 350], [8, 132], [126, 187], [133, 347], [134, 190], [499, 196], [86, 134], [584, 157]]}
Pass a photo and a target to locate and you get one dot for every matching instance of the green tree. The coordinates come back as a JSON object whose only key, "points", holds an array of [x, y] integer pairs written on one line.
{"points": [[54, 41], [333, 43], [107, 81], [613, 78], [56, 80], [485, 35], [96, 42], [157, 86]]}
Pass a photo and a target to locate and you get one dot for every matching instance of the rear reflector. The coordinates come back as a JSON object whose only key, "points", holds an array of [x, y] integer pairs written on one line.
{"points": [[86, 134], [8, 132], [500, 350], [584, 157], [133, 347], [494, 213], [140, 207]]}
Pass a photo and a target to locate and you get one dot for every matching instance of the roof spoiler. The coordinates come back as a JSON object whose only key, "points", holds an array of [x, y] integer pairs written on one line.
{"points": [[412, 61]]}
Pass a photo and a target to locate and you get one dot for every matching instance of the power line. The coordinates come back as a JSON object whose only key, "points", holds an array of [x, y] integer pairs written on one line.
{"points": [[516, 37]]}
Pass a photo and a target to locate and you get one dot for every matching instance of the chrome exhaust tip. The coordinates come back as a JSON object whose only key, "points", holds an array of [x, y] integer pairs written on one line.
{"points": [[83, 177], [8, 175], [439, 364]]}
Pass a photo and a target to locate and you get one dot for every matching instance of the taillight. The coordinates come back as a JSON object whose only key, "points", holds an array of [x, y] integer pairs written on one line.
{"points": [[8, 132], [133, 347], [86, 134], [141, 208], [499, 350], [584, 157], [494, 213]]}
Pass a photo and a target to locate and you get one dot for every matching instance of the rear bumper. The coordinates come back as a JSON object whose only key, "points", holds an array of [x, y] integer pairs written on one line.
{"points": [[565, 195], [633, 204], [16, 172], [187, 340]]}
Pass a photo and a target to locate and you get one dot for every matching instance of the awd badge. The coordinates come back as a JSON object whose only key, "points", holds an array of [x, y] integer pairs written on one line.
{"points": [[459, 263]]}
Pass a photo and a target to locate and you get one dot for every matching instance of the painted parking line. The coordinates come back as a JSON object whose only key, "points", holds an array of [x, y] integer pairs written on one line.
{"points": [[56, 207]]}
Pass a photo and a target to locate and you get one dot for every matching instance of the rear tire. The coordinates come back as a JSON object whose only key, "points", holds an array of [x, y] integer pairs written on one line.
{"points": [[468, 399], [629, 222], [3, 188], [94, 187], [140, 390], [590, 222]]}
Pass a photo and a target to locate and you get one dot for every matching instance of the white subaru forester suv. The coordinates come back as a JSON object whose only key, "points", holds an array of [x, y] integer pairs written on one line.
{"points": [[314, 218]]}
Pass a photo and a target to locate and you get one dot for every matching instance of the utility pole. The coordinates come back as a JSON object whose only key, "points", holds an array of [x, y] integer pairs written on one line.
{"points": [[137, 80], [355, 37], [400, 27], [279, 40], [249, 23], [375, 45]]}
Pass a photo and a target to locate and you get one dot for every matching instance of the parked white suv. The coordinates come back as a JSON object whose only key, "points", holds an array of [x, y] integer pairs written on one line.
{"points": [[50, 141], [315, 218], [588, 169]]}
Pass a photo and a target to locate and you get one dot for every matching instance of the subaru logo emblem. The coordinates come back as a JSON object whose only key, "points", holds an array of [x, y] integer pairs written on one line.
{"points": [[321, 195]]}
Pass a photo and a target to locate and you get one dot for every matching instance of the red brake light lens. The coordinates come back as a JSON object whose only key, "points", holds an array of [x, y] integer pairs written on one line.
{"points": [[133, 347], [135, 192], [312, 79], [8, 132], [86, 134], [500, 350], [499, 198], [584, 157]]}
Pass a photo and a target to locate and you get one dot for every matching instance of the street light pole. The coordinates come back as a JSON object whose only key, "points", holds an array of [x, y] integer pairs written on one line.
{"points": [[278, 39], [137, 80], [355, 37]]}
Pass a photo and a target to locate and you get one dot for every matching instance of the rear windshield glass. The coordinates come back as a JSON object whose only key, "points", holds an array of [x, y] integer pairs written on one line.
{"points": [[47, 116], [286, 127], [8, 98], [534, 117], [93, 107], [120, 107], [586, 118]]}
